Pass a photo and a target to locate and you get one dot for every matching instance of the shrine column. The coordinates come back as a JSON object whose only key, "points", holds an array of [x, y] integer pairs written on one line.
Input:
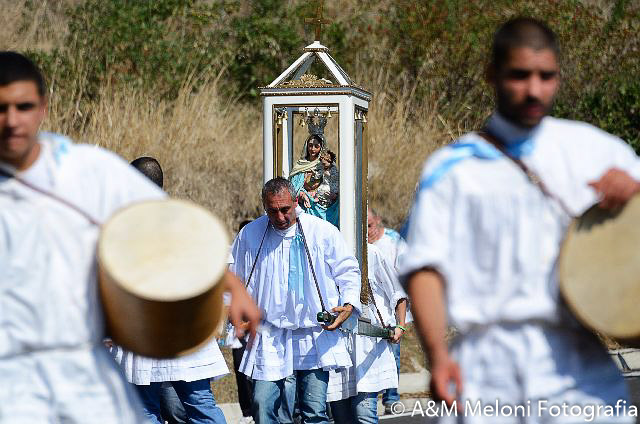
{"points": [[348, 193]]}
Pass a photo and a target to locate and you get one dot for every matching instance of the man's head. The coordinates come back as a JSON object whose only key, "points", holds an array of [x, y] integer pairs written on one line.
{"points": [[524, 70], [23, 106], [375, 228], [279, 201], [150, 168]]}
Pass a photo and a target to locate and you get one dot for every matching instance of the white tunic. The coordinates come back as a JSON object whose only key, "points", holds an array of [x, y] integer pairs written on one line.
{"points": [[495, 238], [207, 362], [291, 338], [375, 367], [52, 362], [392, 246]]}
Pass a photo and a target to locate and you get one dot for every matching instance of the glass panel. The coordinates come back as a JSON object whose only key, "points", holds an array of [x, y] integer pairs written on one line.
{"points": [[314, 163]]}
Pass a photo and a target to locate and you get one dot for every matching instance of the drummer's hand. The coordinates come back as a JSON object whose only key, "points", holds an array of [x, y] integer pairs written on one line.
{"points": [[446, 380], [344, 312], [243, 312], [615, 188]]}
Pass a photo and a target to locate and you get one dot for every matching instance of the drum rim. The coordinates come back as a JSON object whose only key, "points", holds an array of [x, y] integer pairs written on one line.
{"points": [[563, 288]]}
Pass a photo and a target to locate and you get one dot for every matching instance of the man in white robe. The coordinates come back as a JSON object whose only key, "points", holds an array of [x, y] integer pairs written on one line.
{"points": [[353, 392], [392, 247], [54, 195], [53, 366], [484, 241], [387, 240], [292, 341]]}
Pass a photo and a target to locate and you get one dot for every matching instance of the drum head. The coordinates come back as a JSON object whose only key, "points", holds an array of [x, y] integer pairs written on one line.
{"points": [[161, 276], [164, 250], [599, 270]]}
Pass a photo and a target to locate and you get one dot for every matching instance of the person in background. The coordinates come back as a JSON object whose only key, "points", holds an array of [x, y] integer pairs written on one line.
{"points": [[295, 266], [171, 408], [353, 392], [243, 382], [392, 247]]}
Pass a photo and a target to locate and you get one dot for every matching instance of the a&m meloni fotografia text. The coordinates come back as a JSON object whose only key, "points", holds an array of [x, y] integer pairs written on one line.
{"points": [[537, 408]]}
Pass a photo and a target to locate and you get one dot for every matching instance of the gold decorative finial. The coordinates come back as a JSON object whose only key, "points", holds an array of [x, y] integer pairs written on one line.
{"points": [[318, 21]]}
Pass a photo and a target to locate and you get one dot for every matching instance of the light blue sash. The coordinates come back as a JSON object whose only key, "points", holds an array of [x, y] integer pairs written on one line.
{"points": [[461, 151], [297, 267]]}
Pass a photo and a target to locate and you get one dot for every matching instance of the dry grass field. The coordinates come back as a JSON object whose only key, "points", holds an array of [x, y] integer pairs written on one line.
{"points": [[211, 146]]}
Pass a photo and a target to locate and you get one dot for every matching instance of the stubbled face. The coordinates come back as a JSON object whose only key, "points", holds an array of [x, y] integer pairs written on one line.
{"points": [[526, 85], [313, 149], [22, 110], [281, 209]]}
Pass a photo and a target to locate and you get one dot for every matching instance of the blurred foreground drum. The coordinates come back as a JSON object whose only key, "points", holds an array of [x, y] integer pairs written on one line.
{"points": [[161, 276], [599, 271]]}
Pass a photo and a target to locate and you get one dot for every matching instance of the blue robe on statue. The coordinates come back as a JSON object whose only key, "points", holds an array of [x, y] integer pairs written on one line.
{"points": [[331, 213]]}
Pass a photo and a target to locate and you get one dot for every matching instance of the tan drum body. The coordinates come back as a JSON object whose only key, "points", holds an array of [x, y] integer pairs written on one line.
{"points": [[599, 271], [161, 267]]}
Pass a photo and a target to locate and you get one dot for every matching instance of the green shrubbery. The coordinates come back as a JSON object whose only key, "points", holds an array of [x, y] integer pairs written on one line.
{"points": [[445, 44], [440, 46]]}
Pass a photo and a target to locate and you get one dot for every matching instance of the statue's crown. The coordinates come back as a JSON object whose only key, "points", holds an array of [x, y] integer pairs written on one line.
{"points": [[316, 123]]}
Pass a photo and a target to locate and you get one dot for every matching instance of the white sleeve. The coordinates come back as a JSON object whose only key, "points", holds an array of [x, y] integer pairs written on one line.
{"points": [[625, 157], [122, 184], [386, 275], [401, 250], [344, 269], [429, 230], [236, 258]]}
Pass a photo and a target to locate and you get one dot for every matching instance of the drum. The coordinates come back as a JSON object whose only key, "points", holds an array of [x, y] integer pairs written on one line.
{"points": [[161, 267], [599, 271]]}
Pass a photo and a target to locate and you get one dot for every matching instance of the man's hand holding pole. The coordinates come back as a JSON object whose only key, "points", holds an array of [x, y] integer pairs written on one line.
{"points": [[344, 312]]}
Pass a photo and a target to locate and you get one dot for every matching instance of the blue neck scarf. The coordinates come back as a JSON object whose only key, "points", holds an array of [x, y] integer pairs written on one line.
{"points": [[518, 142]]}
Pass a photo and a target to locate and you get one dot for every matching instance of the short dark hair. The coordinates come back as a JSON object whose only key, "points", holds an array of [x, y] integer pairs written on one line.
{"points": [[276, 185], [150, 168], [522, 32], [16, 67]]}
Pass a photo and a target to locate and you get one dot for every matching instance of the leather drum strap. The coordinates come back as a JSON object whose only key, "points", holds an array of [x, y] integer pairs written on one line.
{"points": [[531, 175]]}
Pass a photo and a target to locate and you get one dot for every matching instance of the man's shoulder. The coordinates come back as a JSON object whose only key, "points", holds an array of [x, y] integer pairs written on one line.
{"points": [[254, 229], [80, 154], [320, 230], [392, 234], [319, 226], [567, 129], [258, 224], [61, 144]]}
